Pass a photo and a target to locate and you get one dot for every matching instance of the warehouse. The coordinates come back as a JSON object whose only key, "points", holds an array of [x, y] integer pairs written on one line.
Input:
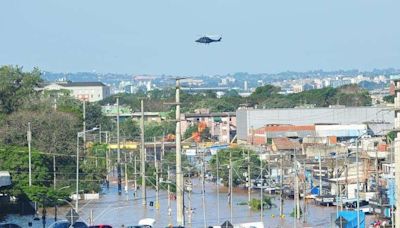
{"points": [[249, 118]]}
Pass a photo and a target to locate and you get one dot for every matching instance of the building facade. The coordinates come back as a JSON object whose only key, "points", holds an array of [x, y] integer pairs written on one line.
{"points": [[249, 118], [222, 125], [396, 81], [88, 91]]}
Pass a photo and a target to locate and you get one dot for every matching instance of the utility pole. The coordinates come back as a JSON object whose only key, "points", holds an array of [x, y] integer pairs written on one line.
{"points": [[229, 129], [304, 192], [142, 154], [84, 125], [296, 188], [156, 167], [29, 138], [261, 192], [358, 186], [126, 172], [338, 200], [217, 160], [91, 217], [54, 173], [135, 180], [376, 173], [107, 159], [118, 152], [248, 179], [230, 186], [281, 187], [295, 193], [179, 175], [169, 192], [77, 175], [189, 189], [203, 189], [320, 173]]}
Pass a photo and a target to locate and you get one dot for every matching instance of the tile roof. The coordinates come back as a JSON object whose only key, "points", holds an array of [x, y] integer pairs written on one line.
{"points": [[285, 144]]}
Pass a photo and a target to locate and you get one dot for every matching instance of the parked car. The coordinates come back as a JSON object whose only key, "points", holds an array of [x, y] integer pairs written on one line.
{"points": [[9, 225], [100, 226], [66, 224]]}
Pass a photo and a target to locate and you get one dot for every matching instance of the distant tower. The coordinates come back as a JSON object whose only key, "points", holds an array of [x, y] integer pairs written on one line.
{"points": [[396, 81], [245, 86]]}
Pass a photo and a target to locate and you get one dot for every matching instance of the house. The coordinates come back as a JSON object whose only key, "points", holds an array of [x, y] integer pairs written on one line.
{"points": [[285, 145]]}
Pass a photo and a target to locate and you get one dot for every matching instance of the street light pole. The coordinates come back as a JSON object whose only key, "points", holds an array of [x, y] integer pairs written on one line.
{"points": [[142, 154], [77, 173]]}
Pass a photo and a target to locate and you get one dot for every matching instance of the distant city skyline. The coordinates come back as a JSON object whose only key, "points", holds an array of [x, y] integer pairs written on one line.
{"points": [[157, 37]]}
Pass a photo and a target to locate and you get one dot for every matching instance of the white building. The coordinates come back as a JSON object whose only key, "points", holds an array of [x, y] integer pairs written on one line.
{"points": [[298, 88], [89, 91]]}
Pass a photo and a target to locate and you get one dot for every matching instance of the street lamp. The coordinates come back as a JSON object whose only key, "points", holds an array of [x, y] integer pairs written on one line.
{"points": [[55, 205], [78, 135]]}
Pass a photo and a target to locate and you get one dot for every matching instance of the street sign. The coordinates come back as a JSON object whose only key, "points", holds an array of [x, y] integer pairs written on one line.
{"points": [[227, 224], [72, 216]]}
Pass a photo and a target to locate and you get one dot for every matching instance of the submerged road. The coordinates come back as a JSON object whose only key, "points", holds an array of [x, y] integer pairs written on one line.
{"points": [[126, 210]]}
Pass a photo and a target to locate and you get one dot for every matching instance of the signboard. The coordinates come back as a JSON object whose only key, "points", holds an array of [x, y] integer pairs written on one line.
{"points": [[83, 97], [72, 216]]}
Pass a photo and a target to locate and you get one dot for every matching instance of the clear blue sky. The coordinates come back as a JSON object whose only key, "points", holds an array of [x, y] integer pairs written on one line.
{"points": [[155, 37]]}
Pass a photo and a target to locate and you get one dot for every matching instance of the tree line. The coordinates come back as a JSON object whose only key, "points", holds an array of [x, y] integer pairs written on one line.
{"points": [[267, 96], [55, 120]]}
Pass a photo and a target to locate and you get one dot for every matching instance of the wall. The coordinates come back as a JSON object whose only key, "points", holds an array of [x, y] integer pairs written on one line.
{"points": [[247, 118], [325, 150]]}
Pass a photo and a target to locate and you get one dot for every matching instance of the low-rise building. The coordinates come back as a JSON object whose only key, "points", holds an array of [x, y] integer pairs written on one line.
{"points": [[285, 145], [88, 91], [265, 134], [222, 125]]}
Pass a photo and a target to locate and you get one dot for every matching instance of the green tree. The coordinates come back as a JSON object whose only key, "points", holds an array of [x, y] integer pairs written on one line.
{"points": [[389, 99], [265, 91], [52, 131], [239, 164], [158, 129], [15, 160], [255, 204], [16, 87]]}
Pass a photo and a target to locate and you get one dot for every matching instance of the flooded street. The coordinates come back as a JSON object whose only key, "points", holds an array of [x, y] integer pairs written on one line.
{"points": [[125, 210]]}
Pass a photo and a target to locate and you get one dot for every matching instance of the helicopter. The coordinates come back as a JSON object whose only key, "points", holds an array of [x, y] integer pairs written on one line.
{"points": [[208, 40]]}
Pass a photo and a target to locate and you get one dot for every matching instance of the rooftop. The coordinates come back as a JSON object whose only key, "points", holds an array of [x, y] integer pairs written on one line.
{"points": [[285, 144], [81, 84], [73, 84]]}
